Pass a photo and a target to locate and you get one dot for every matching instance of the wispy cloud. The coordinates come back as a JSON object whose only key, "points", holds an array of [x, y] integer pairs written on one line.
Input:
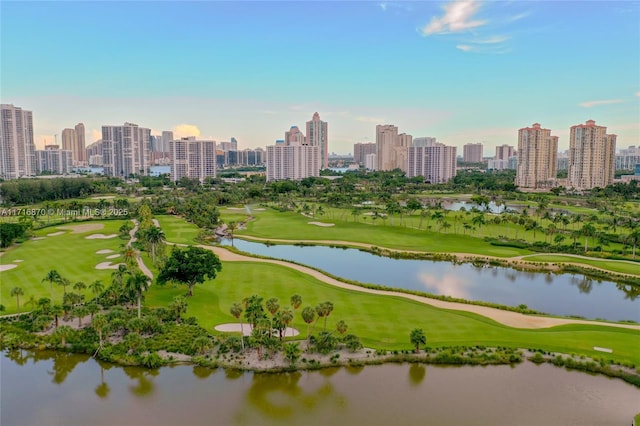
{"points": [[491, 40], [184, 130], [383, 6], [375, 120], [495, 49], [637, 93], [458, 16], [517, 17], [590, 104], [464, 47]]}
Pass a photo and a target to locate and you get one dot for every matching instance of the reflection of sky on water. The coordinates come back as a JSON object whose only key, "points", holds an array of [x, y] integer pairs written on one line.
{"points": [[555, 294]]}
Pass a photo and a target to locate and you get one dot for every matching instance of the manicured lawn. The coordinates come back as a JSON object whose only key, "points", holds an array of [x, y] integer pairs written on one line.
{"points": [[72, 255], [178, 230], [611, 265], [382, 321], [294, 226]]}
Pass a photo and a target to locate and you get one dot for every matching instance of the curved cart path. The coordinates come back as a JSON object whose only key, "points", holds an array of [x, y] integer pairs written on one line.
{"points": [[509, 318]]}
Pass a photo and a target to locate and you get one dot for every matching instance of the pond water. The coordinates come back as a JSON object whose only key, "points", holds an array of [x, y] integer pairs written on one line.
{"points": [[55, 388], [564, 294]]}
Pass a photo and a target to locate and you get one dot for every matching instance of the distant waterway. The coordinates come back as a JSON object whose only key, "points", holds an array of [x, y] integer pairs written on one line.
{"points": [[563, 294], [62, 389]]}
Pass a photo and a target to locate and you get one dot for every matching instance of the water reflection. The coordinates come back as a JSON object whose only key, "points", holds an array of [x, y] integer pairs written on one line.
{"points": [[451, 285], [63, 364], [145, 386], [417, 372], [202, 372]]}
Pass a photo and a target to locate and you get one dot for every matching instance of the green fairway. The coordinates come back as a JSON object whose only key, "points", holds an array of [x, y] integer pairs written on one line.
{"points": [[294, 226], [178, 230], [624, 267], [71, 254], [382, 321]]}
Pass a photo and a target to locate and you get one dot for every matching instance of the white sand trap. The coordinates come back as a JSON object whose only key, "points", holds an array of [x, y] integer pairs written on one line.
{"points": [[18, 261], [113, 256], [85, 227], [55, 234], [108, 265], [100, 236], [259, 210], [105, 251], [105, 197], [7, 267], [321, 224], [235, 327], [607, 350], [38, 238], [235, 208]]}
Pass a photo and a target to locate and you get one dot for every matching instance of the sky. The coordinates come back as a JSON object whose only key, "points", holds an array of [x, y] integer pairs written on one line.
{"points": [[463, 71]]}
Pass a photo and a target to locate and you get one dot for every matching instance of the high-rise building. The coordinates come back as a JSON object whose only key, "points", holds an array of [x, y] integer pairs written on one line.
{"points": [[436, 163], [472, 153], [424, 141], [317, 135], [361, 150], [79, 154], [54, 160], [628, 158], [192, 158], [69, 139], [294, 135], [167, 136], [293, 161], [592, 156], [386, 140], [125, 150], [17, 147], [504, 152], [370, 161], [537, 157]]}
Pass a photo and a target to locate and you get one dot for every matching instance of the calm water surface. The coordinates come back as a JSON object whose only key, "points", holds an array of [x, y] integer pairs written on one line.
{"points": [[563, 294], [52, 389]]}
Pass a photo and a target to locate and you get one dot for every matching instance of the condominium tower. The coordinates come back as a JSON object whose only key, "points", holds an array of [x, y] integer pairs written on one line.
{"points": [[52, 159], [537, 157], [317, 135], [192, 158], [504, 152], [361, 150], [391, 148], [592, 156], [436, 162], [125, 150], [17, 147], [472, 153]]}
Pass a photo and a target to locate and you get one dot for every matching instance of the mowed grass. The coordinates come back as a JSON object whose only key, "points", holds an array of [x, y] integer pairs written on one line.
{"points": [[294, 226], [178, 230], [72, 255], [383, 321], [624, 267]]}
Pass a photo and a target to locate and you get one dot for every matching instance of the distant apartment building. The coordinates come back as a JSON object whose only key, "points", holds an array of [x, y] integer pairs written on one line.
{"points": [[361, 150], [370, 161], [125, 150], [424, 141], [74, 140], [391, 148], [54, 160], [436, 163], [293, 161], [165, 140], [537, 157], [93, 153], [251, 157], [592, 155], [563, 160], [294, 135], [472, 153], [504, 152], [192, 158], [628, 158], [318, 135], [17, 147], [493, 164]]}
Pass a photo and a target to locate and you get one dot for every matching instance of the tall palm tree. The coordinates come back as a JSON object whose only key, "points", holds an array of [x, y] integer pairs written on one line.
{"points": [[308, 315], [129, 255], [136, 284], [64, 282], [588, 230], [96, 287], [99, 323], [79, 286], [17, 292], [273, 307], [236, 311], [154, 236], [53, 277], [231, 226]]}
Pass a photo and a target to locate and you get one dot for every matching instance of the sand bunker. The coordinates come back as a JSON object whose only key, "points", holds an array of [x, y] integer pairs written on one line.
{"points": [[105, 251], [100, 236], [321, 224], [108, 265], [85, 227], [105, 197], [235, 327], [7, 267], [113, 256], [235, 208], [38, 238], [55, 234], [259, 210], [18, 261]]}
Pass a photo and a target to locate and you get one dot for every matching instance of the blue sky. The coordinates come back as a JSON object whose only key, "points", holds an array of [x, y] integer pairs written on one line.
{"points": [[462, 71]]}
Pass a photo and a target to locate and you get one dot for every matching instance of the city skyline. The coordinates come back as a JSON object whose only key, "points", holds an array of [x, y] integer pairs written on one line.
{"points": [[470, 71]]}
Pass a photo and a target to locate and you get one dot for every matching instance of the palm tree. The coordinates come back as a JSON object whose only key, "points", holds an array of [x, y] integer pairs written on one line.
{"points": [[32, 301], [99, 323], [56, 311], [118, 275], [232, 226], [93, 308], [588, 230], [327, 308], [154, 236], [236, 311], [178, 306], [64, 282], [633, 238], [96, 287], [129, 254], [17, 292], [273, 307], [53, 277], [80, 312], [285, 318], [63, 332], [79, 286], [342, 327], [136, 284], [308, 315], [418, 338], [296, 301]]}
